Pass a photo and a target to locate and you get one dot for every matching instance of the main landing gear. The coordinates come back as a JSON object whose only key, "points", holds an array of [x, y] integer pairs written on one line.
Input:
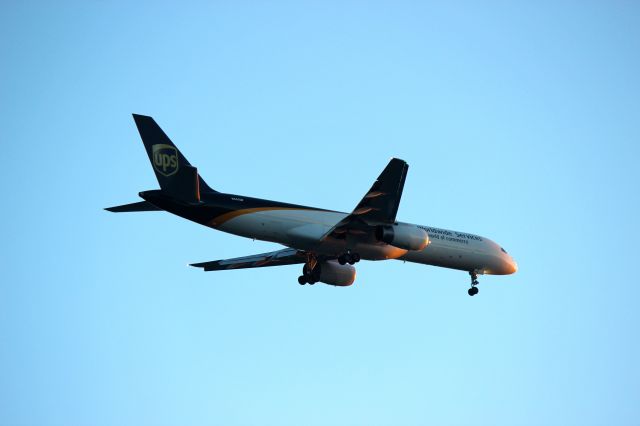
{"points": [[349, 258], [303, 279], [474, 282], [310, 272], [311, 269]]}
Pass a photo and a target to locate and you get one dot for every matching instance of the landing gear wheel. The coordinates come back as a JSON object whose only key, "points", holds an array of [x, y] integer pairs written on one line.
{"points": [[350, 258], [474, 282], [310, 274]]}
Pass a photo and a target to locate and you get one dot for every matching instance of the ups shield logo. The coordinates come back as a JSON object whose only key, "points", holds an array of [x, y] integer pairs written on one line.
{"points": [[165, 159]]}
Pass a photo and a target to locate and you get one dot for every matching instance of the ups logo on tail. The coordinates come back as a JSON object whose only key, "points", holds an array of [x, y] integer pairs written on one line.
{"points": [[165, 159]]}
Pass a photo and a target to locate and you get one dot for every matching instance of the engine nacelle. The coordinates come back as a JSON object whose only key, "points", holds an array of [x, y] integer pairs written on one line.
{"points": [[333, 273], [408, 237]]}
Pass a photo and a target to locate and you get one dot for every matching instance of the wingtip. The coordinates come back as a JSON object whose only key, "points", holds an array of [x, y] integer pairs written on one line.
{"points": [[140, 116]]}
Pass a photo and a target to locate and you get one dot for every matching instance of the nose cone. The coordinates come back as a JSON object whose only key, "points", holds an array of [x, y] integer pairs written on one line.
{"points": [[503, 265]]}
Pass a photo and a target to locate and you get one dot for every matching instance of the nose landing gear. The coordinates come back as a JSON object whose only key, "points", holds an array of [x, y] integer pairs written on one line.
{"points": [[474, 282]]}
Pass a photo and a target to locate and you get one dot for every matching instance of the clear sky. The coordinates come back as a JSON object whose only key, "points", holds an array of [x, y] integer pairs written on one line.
{"points": [[520, 122]]}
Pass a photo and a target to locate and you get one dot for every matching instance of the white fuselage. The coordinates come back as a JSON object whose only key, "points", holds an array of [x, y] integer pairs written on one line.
{"points": [[302, 229]]}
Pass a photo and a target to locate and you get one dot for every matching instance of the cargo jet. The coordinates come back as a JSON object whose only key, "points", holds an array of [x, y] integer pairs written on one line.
{"points": [[326, 243]]}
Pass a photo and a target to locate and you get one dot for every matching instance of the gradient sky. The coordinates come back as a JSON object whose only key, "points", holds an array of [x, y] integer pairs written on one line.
{"points": [[520, 122]]}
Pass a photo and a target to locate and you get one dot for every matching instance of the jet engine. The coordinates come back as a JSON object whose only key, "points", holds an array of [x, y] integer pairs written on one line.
{"points": [[333, 273], [404, 236]]}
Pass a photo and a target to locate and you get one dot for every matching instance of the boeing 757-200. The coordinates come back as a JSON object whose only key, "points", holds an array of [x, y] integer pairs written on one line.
{"points": [[326, 242]]}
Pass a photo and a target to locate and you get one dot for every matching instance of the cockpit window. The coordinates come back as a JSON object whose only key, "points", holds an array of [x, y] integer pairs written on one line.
{"points": [[503, 250]]}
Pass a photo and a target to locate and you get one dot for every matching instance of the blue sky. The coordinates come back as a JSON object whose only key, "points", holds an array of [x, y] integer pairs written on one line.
{"points": [[519, 121]]}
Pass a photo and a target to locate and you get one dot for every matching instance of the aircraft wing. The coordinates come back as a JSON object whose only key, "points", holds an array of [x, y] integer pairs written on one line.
{"points": [[379, 205], [287, 256]]}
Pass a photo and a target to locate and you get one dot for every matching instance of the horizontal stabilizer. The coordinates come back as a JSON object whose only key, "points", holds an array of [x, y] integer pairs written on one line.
{"points": [[141, 206]]}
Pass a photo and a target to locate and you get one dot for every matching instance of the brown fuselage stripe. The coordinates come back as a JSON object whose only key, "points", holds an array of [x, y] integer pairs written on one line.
{"points": [[219, 220]]}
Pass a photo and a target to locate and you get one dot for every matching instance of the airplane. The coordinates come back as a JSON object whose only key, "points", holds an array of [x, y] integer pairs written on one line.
{"points": [[326, 243]]}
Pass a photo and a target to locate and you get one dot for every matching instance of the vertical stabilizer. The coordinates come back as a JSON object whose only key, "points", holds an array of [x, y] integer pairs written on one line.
{"points": [[176, 176]]}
